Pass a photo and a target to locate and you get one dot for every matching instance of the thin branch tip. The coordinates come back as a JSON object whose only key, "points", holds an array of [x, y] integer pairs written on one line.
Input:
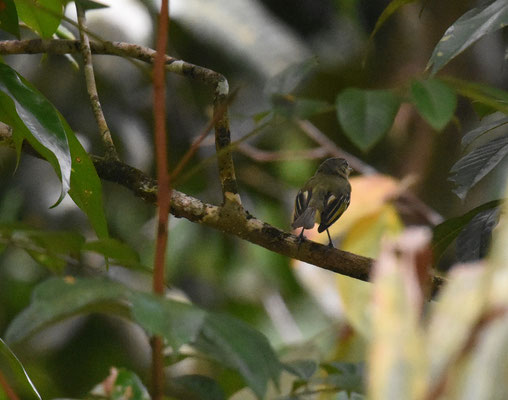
{"points": [[91, 87]]}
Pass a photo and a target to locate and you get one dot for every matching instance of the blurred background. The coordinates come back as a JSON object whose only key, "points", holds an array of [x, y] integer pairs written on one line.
{"points": [[250, 42]]}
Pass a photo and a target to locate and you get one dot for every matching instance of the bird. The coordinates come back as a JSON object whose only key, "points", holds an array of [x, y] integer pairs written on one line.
{"points": [[324, 197]]}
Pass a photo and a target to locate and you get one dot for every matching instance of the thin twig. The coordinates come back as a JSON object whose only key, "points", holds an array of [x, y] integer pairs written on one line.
{"points": [[231, 147], [223, 149], [320, 138], [164, 188], [269, 156], [197, 142], [91, 87]]}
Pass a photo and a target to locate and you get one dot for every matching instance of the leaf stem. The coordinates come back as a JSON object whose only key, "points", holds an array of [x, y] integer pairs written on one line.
{"points": [[91, 86]]}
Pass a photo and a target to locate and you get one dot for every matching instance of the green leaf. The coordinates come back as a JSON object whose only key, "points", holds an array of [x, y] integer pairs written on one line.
{"points": [[390, 9], [299, 108], [55, 247], [366, 115], [48, 248], [42, 16], [484, 128], [471, 168], [52, 262], [59, 242], [64, 33], [257, 118], [496, 99], [177, 322], [35, 119], [470, 27], [197, 387], [63, 242], [482, 110], [346, 376], [304, 369], [474, 240], [86, 188], [226, 339], [9, 17], [129, 382], [435, 101], [287, 80], [14, 373], [113, 248], [11, 205], [237, 345], [121, 384], [57, 299], [447, 231]]}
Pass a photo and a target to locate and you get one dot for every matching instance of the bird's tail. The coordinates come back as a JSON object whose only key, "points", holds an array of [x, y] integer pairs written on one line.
{"points": [[306, 219]]}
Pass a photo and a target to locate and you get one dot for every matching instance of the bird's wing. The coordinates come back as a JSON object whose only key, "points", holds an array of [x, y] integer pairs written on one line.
{"points": [[301, 204], [333, 208]]}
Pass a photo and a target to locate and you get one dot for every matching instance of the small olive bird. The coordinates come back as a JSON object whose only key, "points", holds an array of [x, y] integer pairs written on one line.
{"points": [[324, 197]]}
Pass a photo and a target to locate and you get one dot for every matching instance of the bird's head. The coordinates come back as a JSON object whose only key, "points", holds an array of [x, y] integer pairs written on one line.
{"points": [[337, 166]]}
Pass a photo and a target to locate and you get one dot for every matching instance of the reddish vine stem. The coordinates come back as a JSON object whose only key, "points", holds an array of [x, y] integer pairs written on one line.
{"points": [[164, 189]]}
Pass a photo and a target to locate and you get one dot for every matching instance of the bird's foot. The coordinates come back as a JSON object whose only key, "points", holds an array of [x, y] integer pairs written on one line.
{"points": [[330, 244], [300, 238]]}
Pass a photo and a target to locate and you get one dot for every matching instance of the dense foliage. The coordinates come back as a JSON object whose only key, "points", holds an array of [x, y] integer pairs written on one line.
{"points": [[411, 93]]}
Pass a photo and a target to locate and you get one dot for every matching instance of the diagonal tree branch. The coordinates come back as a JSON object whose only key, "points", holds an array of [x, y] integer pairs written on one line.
{"points": [[229, 218], [233, 219]]}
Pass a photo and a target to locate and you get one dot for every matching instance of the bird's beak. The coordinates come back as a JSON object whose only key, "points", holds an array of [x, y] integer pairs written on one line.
{"points": [[350, 169]]}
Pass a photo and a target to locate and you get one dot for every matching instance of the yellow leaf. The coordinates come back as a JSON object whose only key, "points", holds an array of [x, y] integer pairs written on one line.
{"points": [[364, 238], [368, 195], [398, 364]]}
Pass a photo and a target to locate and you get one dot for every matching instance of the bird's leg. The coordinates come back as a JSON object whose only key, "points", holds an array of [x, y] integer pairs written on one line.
{"points": [[301, 238], [330, 244]]}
